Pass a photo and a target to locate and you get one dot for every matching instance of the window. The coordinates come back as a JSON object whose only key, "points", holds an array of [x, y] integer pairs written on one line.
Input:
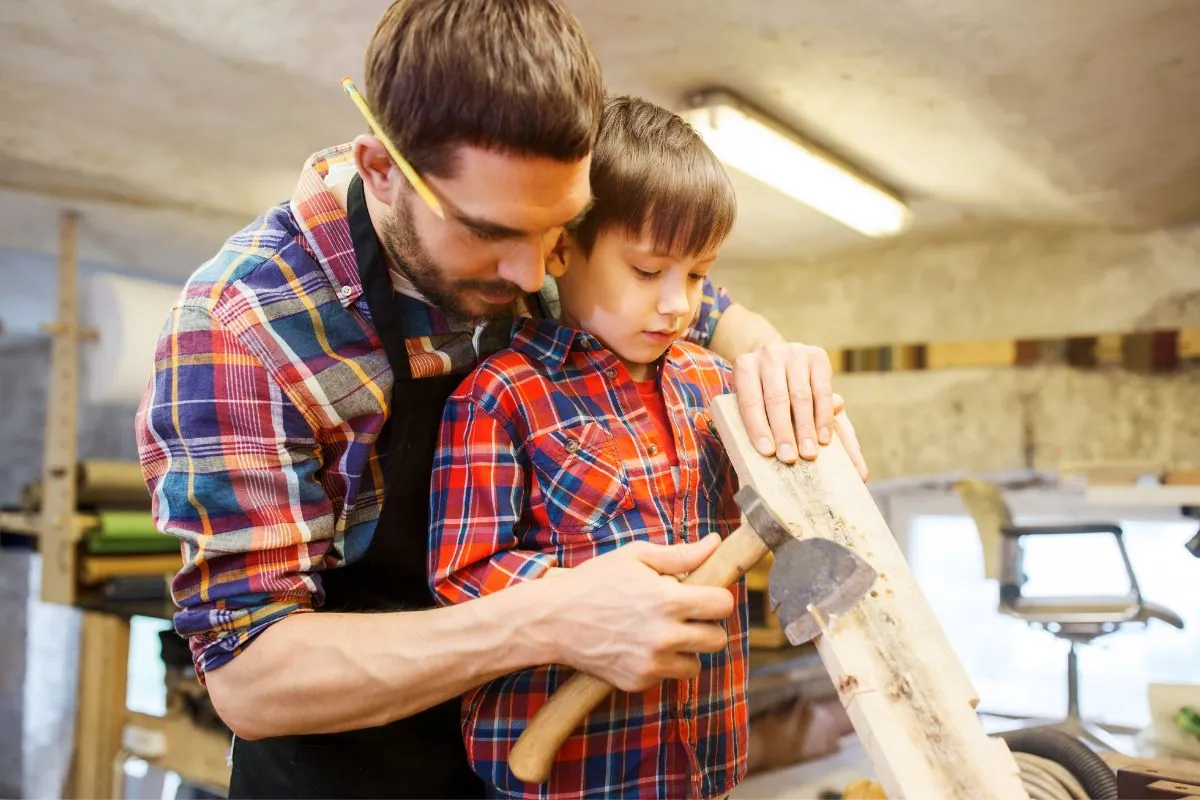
{"points": [[1022, 670]]}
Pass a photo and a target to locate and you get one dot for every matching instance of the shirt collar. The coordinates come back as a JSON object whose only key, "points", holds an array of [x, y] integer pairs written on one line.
{"points": [[323, 220], [551, 343]]}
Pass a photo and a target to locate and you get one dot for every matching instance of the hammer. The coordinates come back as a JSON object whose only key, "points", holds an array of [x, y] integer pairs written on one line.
{"points": [[810, 580]]}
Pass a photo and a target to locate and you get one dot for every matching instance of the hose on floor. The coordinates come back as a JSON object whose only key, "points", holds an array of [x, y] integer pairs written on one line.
{"points": [[1054, 766], [1037, 748]]}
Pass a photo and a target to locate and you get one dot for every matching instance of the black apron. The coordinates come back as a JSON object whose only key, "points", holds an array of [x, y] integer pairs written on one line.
{"points": [[423, 755]]}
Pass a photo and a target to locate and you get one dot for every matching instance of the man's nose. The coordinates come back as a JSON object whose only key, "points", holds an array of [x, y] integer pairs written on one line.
{"points": [[525, 265]]}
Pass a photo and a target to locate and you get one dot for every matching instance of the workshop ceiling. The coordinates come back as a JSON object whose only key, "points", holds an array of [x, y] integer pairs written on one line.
{"points": [[171, 122]]}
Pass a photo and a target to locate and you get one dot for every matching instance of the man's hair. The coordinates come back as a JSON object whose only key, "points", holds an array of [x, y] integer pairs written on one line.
{"points": [[512, 76], [653, 174]]}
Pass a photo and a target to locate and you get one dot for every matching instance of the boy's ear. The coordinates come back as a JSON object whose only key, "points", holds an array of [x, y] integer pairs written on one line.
{"points": [[556, 261]]}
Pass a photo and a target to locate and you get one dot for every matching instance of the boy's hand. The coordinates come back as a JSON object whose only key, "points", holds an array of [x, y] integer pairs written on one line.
{"points": [[785, 392], [624, 618]]}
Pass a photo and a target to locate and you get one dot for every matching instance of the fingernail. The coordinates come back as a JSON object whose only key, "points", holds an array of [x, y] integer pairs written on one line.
{"points": [[809, 448], [823, 435], [764, 446], [787, 452]]}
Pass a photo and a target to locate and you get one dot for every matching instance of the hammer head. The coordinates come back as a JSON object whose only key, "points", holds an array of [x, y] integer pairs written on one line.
{"points": [[811, 578]]}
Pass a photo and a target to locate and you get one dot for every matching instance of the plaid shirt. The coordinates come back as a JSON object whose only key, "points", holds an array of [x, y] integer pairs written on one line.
{"points": [[547, 458], [257, 432]]}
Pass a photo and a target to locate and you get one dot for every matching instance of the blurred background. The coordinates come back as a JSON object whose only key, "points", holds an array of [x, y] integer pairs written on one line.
{"points": [[986, 212]]}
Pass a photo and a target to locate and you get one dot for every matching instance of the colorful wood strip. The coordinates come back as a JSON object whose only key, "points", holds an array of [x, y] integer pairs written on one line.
{"points": [[1144, 351]]}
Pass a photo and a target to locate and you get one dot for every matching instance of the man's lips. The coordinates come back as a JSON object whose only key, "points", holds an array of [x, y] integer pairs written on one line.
{"points": [[498, 296]]}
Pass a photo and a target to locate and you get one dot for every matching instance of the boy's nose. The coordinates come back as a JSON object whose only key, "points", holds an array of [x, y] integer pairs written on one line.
{"points": [[673, 302]]}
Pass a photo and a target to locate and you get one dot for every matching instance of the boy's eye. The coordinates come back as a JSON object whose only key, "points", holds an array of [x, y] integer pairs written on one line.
{"points": [[644, 274], [696, 277]]}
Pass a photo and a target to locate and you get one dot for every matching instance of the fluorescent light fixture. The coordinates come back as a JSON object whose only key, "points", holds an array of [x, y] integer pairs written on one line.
{"points": [[748, 141]]}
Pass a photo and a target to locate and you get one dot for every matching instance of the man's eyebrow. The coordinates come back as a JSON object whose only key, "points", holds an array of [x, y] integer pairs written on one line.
{"points": [[494, 230]]}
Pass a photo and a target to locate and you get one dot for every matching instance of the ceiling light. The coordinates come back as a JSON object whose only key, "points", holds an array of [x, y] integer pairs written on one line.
{"points": [[748, 141]]}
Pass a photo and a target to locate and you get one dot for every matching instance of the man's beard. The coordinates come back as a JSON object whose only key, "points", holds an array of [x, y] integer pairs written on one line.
{"points": [[456, 298]]}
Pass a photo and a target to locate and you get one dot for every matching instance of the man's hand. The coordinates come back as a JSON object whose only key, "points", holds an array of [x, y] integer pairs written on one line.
{"points": [[785, 392], [623, 618]]}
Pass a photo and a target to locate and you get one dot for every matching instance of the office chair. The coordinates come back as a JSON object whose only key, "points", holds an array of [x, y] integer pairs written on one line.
{"points": [[1079, 620]]}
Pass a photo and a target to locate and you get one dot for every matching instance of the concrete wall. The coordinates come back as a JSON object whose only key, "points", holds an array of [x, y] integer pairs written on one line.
{"points": [[989, 284]]}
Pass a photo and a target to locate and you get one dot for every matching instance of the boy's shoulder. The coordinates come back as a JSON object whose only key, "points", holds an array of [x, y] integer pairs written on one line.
{"points": [[503, 380]]}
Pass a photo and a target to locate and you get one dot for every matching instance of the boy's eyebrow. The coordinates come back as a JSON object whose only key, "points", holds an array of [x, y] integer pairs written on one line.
{"points": [[495, 230]]}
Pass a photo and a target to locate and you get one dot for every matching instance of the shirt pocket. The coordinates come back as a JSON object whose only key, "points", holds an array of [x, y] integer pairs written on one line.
{"points": [[584, 485]]}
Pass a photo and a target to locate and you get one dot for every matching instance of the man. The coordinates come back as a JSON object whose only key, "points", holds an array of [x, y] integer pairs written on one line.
{"points": [[288, 435]]}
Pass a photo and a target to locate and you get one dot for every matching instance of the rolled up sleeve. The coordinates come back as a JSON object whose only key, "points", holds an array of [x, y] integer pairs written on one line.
{"points": [[232, 467], [476, 499]]}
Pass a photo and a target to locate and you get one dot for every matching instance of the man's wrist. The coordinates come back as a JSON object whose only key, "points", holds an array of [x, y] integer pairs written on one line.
{"points": [[532, 614]]}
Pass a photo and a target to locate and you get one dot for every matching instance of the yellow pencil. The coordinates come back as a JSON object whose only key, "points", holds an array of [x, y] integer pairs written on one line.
{"points": [[422, 188]]}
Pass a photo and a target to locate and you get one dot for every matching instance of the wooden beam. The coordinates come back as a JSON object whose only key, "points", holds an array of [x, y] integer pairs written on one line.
{"points": [[100, 716], [907, 694], [59, 531], [199, 755]]}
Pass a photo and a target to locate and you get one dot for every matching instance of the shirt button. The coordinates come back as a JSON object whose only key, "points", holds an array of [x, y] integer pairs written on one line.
{"points": [[653, 449], [345, 291], [610, 373]]}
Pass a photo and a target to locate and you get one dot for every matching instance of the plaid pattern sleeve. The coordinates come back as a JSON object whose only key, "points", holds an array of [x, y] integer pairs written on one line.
{"points": [[549, 457], [476, 507], [232, 469], [714, 300]]}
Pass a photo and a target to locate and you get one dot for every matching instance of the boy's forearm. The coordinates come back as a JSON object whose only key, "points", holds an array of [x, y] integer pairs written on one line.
{"points": [[740, 331], [328, 672]]}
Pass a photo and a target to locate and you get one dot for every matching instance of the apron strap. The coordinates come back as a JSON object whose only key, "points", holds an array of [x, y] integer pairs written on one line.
{"points": [[382, 299]]}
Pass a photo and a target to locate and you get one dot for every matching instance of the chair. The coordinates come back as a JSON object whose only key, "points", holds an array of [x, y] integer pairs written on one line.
{"points": [[1079, 620]]}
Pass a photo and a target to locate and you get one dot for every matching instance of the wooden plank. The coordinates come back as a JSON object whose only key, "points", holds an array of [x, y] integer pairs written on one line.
{"points": [[1110, 350], [100, 710], [1182, 477], [1189, 343], [98, 569], [175, 743], [939, 355], [906, 693]]}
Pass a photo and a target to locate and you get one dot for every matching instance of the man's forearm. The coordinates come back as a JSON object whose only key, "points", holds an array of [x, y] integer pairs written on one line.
{"points": [[329, 672], [740, 331]]}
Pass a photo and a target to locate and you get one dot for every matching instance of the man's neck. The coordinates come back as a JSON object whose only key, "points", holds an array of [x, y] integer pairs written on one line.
{"points": [[340, 190]]}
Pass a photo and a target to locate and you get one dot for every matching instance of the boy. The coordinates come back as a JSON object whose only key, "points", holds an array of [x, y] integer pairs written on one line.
{"points": [[593, 432]]}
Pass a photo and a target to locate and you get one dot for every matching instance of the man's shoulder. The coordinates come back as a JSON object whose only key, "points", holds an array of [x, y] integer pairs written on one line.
{"points": [[263, 265]]}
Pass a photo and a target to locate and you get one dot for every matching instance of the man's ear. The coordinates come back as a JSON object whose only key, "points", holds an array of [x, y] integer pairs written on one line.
{"points": [[376, 167], [556, 260]]}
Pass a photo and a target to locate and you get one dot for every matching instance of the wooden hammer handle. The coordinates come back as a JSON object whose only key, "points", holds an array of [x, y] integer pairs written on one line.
{"points": [[534, 753]]}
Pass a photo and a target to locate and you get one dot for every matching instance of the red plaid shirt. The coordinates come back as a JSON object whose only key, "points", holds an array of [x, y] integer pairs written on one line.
{"points": [[548, 457]]}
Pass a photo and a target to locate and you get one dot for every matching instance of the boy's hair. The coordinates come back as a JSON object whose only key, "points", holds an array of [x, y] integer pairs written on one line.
{"points": [[513, 76], [653, 174]]}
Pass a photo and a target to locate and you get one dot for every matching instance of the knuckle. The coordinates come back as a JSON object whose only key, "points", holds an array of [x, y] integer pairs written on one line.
{"points": [[801, 394], [746, 360], [776, 397], [749, 402]]}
